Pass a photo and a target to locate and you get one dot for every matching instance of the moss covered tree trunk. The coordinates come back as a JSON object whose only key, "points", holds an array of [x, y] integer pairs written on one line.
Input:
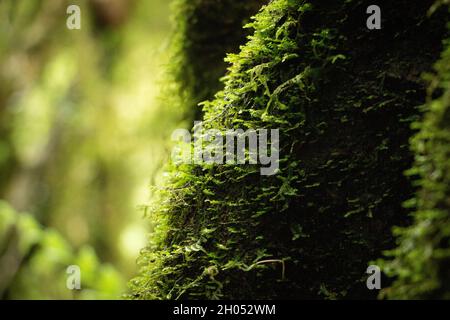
{"points": [[344, 98], [421, 262], [205, 31]]}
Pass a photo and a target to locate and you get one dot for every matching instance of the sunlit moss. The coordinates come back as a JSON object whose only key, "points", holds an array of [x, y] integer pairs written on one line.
{"points": [[204, 32], [344, 109]]}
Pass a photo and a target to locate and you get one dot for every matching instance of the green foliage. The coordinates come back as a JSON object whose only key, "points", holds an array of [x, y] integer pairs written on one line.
{"points": [[34, 260], [344, 109], [80, 118], [420, 263]]}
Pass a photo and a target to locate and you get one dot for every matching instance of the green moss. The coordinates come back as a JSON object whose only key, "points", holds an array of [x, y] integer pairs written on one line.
{"points": [[205, 31], [343, 98], [420, 263]]}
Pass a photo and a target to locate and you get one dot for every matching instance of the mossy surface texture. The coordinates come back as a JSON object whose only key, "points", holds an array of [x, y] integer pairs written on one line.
{"points": [[421, 262], [344, 98], [205, 31]]}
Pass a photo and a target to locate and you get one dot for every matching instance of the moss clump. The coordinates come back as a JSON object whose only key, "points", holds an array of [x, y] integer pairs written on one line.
{"points": [[421, 262], [343, 98], [205, 31]]}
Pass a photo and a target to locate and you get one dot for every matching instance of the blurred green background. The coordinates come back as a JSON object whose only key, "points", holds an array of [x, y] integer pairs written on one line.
{"points": [[83, 134]]}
